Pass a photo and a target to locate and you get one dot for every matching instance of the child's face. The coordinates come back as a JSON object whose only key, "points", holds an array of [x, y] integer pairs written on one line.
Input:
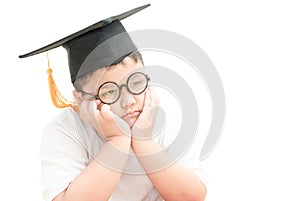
{"points": [[128, 106]]}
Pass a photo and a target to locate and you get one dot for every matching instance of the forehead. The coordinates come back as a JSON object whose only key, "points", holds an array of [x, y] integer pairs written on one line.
{"points": [[118, 73]]}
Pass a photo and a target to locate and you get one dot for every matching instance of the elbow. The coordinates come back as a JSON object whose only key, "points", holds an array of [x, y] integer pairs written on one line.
{"points": [[196, 195], [200, 196]]}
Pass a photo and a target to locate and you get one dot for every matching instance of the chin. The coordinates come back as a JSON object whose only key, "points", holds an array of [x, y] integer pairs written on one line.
{"points": [[131, 122]]}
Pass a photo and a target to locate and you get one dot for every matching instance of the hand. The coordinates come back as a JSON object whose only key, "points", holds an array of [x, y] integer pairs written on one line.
{"points": [[102, 119], [143, 127]]}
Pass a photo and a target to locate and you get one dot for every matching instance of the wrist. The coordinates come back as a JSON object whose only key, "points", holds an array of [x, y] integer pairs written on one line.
{"points": [[150, 155], [144, 146], [121, 142], [114, 153]]}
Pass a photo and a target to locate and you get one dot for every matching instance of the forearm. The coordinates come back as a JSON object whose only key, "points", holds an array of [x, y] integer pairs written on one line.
{"points": [[99, 179], [173, 182]]}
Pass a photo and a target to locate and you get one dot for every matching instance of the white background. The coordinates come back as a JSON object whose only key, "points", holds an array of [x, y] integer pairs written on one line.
{"points": [[254, 45]]}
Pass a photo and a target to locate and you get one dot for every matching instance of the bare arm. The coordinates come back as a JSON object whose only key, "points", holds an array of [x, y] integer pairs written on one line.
{"points": [[174, 182], [97, 182], [99, 179]]}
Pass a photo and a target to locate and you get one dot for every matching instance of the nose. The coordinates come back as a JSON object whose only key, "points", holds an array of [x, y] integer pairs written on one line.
{"points": [[126, 98]]}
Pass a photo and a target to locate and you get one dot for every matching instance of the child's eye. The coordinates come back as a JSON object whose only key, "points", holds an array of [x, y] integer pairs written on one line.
{"points": [[109, 94], [136, 83]]}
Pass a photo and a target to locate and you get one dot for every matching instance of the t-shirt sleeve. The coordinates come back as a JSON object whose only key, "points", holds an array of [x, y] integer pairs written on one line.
{"points": [[191, 160], [63, 157]]}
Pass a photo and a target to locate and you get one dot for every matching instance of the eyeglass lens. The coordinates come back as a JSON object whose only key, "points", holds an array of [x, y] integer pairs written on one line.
{"points": [[110, 92]]}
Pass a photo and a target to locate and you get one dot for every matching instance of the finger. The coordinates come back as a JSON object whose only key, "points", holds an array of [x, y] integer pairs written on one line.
{"points": [[147, 105], [99, 105], [106, 112], [147, 100], [94, 112], [88, 114], [154, 97], [154, 104]]}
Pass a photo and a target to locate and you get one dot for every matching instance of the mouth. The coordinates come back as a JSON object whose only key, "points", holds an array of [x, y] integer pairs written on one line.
{"points": [[132, 114]]}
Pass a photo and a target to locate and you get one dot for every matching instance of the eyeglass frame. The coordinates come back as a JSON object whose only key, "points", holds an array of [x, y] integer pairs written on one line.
{"points": [[97, 97]]}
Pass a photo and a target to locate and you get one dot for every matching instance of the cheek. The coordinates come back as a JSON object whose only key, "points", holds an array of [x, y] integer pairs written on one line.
{"points": [[140, 99], [116, 109]]}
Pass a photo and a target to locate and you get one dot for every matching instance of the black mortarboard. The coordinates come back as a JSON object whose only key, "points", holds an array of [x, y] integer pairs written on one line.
{"points": [[102, 44]]}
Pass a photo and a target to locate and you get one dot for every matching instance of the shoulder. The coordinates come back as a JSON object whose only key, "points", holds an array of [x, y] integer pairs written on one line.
{"points": [[68, 120], [67, 117], [67, 127], [67, 130]]}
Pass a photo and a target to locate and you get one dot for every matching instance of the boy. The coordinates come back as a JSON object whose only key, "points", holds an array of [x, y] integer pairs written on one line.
{"points": [[88, 153]]}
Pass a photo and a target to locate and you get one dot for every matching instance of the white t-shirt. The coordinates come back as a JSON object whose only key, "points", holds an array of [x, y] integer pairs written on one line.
{"points": [[69, 145]]}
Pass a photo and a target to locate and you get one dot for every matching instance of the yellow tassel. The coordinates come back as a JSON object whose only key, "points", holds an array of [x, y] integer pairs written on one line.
{"points": [[57, 99]]}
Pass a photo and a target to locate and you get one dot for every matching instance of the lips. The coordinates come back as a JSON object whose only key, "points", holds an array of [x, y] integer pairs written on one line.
{"points": [[132, 114]]}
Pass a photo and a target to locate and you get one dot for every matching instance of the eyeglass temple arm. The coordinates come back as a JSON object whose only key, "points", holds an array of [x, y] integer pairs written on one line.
{"points": [[90, 94]]}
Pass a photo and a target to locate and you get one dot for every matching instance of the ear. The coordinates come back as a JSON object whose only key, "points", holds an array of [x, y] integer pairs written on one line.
{"points": [[78, 96]]}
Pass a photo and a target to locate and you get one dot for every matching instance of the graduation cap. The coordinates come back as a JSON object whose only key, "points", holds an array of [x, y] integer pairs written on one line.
{"points": [[102, 44], [108, 36]]}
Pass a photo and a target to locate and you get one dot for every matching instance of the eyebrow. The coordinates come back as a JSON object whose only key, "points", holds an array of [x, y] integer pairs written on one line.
{"points": [[106, 86]]}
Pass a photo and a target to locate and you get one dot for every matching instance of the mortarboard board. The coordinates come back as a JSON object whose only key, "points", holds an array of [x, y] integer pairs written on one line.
{"points": [[102, 44]]}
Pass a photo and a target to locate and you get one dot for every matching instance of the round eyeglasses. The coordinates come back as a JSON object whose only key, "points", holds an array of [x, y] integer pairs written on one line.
{"points": [[110, 92]]}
